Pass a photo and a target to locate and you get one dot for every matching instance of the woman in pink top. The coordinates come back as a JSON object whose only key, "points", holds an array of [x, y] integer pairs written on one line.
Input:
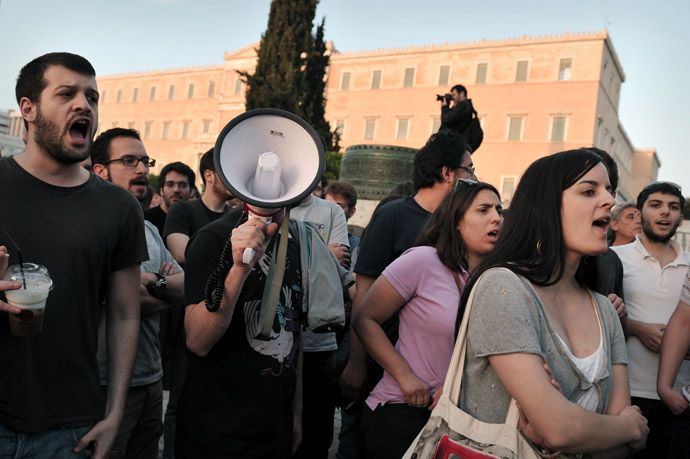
{"points": [[425, 285]]}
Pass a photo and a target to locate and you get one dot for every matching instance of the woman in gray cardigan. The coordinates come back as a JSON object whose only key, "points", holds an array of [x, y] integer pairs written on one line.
{"points": [[534, 304]]}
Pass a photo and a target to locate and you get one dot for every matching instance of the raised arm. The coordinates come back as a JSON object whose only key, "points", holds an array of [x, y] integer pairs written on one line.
{"points": [[205, 328]]}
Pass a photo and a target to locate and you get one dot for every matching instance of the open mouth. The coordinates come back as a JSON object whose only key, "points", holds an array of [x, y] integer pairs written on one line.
{"points": [[79, 129], [493, 235], [143, 181], [664, 223], [602, 223]]}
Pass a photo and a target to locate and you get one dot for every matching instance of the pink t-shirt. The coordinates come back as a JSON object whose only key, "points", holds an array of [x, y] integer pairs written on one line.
{"points": [[427, 321]]}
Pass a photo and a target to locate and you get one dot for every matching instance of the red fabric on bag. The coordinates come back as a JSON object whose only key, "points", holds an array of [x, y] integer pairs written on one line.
{"points": [[447, 446]]}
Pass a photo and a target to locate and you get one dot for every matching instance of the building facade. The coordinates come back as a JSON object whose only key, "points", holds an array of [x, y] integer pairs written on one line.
{"points": [[534, 96]]}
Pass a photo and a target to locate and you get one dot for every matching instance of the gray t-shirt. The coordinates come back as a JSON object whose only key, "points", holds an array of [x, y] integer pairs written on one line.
{"points": [[509, 317], [147, 368]]}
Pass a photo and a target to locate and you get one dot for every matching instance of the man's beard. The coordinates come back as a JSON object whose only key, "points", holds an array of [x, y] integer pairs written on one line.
{"points": [[49, 139], [652, 236]]}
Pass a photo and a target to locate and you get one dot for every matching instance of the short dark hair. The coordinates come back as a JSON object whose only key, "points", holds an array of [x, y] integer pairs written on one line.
{"points": [[100, 147], [30, 81], [460, 89], [344, 189], [441, 230], [179, 167], [206, 164], [610, 164], [660, 187], [443, 149]]}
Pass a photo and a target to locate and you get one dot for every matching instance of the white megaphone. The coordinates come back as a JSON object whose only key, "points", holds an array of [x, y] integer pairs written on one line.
{"points": [[269, 159]]}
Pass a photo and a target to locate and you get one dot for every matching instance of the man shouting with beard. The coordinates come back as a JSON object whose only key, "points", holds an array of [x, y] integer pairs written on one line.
{"points": [[89, 234], [655, 267]]}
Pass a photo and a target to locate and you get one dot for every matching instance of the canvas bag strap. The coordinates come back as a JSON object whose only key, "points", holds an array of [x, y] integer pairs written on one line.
{"points": [[453, 384], [274, 280]]}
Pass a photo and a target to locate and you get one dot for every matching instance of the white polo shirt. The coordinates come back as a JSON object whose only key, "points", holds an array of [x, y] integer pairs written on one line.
{"points": [[651, 295]]}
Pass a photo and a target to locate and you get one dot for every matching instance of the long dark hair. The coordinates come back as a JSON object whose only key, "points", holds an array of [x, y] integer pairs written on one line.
{"points": [[531, 242], [441, 230]]}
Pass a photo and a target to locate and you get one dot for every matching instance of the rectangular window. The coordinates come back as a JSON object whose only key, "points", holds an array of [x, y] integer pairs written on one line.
{"points": [[443, 75], [207, 127], [481, 73], [152, 94], [185, 129], [345, 81], [376, 79], [403, 125], [507, 187], [131, 125], [515, 128], [115, 124], [564, 69], [135, 94], [238, 86], [521, 73], [190, 91], [147, 129], [101, 100], [166, 129], [558, 128], [370, 129], [435, 125], [409, 77], [211, 88], [171, 92], [340, 127], [118, 95]]}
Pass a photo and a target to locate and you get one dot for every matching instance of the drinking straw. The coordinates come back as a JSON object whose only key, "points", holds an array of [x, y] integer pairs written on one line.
{"points": [[19, 254]]}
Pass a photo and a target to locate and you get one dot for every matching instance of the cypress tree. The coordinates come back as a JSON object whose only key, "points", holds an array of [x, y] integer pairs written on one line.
{"points": [[291, 66]]}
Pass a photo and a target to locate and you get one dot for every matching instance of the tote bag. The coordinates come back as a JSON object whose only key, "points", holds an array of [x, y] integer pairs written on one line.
{"points": [[452, 431]]}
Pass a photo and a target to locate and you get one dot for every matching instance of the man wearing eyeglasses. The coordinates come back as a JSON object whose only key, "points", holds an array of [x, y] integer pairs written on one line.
{"points": [[119, 156], [176, 181], [655, 266]]}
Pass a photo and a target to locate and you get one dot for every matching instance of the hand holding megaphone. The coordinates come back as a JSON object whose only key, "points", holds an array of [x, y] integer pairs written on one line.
{"points": [[252, 236]]}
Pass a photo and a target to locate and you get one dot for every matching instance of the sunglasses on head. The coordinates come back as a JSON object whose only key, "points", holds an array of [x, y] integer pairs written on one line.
{"points": [[468, 182]]}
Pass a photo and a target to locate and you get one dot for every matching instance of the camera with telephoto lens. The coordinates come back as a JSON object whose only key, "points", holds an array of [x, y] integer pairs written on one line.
{"points": [[448, 97]]}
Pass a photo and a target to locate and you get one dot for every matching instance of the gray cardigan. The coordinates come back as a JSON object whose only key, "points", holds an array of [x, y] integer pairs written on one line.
{"points": [[508, 317]]}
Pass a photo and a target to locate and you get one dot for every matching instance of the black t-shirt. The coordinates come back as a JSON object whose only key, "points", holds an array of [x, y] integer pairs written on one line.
{"points": [[82, 234], [609, 273], [237, 400], [187, 217], [393, 229], [157, 216]]}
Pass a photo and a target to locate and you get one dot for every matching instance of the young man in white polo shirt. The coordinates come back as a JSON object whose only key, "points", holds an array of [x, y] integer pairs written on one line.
{"points": [[655, 267]]}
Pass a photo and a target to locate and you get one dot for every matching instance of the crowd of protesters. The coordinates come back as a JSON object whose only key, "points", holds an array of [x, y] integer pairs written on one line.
{"points": [[152, 291]]}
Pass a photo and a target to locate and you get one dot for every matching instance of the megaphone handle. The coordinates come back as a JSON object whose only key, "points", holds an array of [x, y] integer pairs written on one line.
{"points": [[248, 255]]}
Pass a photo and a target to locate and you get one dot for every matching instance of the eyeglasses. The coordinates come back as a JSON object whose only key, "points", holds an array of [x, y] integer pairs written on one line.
{"points": [[674, 185], [469, 169], [132, 161], [180, 185], [467, 182]]}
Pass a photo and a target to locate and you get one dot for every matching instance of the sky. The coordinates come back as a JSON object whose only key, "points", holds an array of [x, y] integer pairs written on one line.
{"points": [[124, 36]]}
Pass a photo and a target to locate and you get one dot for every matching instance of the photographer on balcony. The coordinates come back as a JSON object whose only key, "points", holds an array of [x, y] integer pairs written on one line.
{"points": [[462, 117]]}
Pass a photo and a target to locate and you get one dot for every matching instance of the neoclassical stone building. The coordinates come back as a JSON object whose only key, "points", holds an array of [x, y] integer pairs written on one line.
{"points": [[534, 96]]}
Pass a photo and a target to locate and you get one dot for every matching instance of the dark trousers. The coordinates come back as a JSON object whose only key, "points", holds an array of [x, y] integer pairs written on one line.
{"points": [[659, 420], [680, 438], [141, 424], [390, 429], [318, 405]]}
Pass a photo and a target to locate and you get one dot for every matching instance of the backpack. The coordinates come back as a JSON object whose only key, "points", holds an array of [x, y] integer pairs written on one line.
{"points": [[473, 134]]}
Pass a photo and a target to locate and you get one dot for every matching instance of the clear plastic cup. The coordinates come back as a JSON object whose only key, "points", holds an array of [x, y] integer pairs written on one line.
{"points": [[32, 299]]}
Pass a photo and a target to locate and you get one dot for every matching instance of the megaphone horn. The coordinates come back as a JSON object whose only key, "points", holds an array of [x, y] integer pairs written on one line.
{"points": [[269, 159]]}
